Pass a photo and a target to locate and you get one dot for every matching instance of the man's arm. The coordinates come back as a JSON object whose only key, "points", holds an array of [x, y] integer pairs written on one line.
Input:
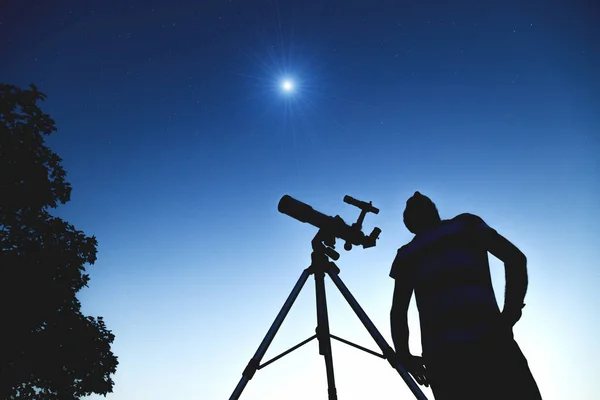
{"points": [[398, 317], [515, 266], [399, 322]]}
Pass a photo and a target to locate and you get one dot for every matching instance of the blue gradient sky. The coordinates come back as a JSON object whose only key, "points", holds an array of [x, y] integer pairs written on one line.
{"points": [[179, 145]]}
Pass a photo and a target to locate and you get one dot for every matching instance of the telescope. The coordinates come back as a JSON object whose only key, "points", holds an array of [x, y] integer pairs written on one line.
{"points": [[321, 265], [333, 226]]}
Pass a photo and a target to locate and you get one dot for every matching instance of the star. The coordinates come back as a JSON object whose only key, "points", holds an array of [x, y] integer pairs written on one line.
{"points": [[287, 85]]}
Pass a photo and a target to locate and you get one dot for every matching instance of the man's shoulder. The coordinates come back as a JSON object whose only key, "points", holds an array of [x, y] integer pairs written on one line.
{"points": [[467, 218], [406, 250], [472, 223], [402, 259]]}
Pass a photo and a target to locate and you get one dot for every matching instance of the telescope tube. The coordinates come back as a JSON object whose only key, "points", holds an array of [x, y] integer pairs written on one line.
{"points": [[302, 212]]}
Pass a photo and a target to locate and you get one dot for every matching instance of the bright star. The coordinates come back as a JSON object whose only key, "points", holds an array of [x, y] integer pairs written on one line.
{"points": [[287, 85]]}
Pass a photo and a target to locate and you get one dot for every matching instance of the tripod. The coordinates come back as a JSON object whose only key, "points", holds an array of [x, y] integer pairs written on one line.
{"points": [[320, 265]]}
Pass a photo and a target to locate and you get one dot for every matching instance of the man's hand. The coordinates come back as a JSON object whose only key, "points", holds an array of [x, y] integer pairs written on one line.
{"points": [[511, 316], [414, 365]]}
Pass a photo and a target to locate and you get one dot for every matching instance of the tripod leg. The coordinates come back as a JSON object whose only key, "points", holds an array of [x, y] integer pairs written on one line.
{"points": [[383, 345], [323, 334], [264, 345]]}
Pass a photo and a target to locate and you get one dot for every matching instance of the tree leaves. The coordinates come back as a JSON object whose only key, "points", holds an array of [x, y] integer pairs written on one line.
{"points": [[31, 176], [50, 350]]}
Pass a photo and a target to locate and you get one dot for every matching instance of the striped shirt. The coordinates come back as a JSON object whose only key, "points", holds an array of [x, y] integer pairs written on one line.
{"points": [[449, 272]]}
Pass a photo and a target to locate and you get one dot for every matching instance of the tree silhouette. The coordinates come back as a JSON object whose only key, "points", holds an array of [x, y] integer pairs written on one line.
{"points": [[48, 348]]}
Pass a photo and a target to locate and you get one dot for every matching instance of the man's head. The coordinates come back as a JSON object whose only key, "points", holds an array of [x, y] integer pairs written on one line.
{"points": [[420, 213]]}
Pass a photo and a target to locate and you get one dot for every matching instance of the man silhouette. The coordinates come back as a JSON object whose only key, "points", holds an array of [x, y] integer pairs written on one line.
{"points": [[469, 351]]}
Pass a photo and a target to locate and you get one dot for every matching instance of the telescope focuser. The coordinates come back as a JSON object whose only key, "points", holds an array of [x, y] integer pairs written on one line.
{"points": [[364, 209]]}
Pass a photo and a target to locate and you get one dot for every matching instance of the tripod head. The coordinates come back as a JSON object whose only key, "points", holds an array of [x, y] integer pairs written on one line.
{"points": [[331, 228]]}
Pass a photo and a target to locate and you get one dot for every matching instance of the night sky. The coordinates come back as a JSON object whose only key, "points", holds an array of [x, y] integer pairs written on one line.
{"points": [[179, 141]]}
